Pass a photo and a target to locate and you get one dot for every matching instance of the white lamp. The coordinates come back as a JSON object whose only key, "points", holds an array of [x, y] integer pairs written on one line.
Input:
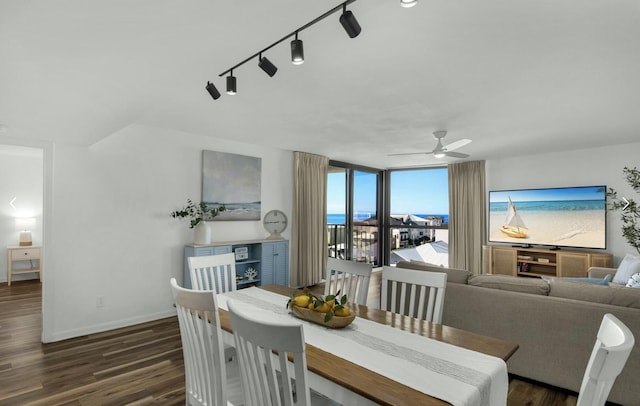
{"points": [[25, 238], [24, 224]]}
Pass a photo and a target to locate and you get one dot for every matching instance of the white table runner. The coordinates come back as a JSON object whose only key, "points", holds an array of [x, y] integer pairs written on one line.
{"points": [[454, 374]]}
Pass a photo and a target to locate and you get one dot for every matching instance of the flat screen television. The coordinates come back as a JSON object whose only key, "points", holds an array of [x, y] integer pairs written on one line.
{"points": [[559, 217]]}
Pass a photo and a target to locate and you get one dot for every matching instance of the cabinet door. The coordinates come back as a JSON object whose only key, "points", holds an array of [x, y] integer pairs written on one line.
{"points": [[503, 261], [574, 265], [275, 263], [602, 260], [281, 260]]}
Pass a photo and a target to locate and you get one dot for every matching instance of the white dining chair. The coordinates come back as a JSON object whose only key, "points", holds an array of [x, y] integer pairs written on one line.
{"points": [[209, 380], [350, 278], [613, 345], [414, 293], [213, 272], [264, 348]]}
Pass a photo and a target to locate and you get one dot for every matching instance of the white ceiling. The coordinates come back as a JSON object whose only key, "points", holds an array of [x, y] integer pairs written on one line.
{"points": [[516, 77]]}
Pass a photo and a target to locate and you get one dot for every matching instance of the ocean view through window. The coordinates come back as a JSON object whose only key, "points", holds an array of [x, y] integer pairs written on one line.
{"points": [[415, 223]]}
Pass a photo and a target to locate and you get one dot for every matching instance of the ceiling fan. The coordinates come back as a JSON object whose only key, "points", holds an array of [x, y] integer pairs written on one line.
{"points": [[440, 151]]}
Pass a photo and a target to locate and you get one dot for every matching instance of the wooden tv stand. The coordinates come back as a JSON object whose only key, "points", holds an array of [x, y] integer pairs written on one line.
{"points": [[539, 262]]}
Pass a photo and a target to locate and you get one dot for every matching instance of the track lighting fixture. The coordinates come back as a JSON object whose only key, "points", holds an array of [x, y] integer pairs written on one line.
{"points": [[347, 19], [297, 51], [266, 65], [231, 84], [408, 3], [349, 22], [212, 91]]}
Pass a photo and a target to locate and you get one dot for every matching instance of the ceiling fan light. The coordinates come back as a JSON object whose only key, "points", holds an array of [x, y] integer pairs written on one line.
{"points": [[439, 154], [408, 3]]}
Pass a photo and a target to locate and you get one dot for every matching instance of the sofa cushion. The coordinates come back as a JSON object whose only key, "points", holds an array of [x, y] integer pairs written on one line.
{"points": [[512, 283], [595, 281], [613, 294], [630, 265], [453, 275]]}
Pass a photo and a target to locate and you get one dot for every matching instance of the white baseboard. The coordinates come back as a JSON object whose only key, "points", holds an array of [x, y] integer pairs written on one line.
{"points": [[99, 328]]}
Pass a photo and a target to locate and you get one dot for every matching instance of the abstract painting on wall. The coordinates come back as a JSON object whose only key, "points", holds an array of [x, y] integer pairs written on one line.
{"points": [[233, 181]]}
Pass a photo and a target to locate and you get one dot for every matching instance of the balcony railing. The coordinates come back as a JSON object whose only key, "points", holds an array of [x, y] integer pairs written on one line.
{"points": [[364, 243]]}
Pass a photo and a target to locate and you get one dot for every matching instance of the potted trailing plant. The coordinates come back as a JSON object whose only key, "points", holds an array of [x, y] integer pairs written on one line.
{"points": [[198, 214], [629, 209]]}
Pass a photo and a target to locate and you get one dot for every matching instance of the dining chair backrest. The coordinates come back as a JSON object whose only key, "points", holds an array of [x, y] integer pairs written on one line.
{"points": [[613, 345], [204, 363], [414, 293], [350, 278], [213, 272], [262, 349]]}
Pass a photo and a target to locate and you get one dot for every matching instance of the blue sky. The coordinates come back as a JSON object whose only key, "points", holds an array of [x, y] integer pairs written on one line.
{"points": [[419, 191]]}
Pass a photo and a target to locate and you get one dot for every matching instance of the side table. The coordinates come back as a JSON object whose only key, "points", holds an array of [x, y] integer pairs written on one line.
{"points": [[33, 254]]}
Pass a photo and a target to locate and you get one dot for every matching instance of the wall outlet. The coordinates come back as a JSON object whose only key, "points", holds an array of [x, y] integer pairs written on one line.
{"points": [[100, 301]]}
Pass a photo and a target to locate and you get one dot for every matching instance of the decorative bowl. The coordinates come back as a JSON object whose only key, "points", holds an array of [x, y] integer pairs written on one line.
{"points": [[318, 317]]}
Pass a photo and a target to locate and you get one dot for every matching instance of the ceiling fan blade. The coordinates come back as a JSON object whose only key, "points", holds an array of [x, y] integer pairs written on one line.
{"points": [[457, 144], [456, 154], [411, 153]]}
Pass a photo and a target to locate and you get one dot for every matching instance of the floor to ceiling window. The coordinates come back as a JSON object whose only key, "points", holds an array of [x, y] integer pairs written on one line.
{"points": [[408, 206], [419, 215], [353, 207]]}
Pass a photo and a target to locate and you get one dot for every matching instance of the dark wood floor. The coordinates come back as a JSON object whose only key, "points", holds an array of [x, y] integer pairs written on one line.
{"points": [[138, 365]]}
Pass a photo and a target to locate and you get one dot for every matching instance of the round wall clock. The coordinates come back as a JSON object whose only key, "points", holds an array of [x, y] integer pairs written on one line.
{"points": [[275, 222]]}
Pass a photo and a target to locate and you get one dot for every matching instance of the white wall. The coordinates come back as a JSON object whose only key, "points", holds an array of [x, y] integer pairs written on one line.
{"points": [[586, 167], [109, 232], [112, 235], [21, 178]]}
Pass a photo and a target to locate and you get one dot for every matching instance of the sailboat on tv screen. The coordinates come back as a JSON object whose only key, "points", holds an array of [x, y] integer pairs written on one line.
{"points": [[513, 225]]}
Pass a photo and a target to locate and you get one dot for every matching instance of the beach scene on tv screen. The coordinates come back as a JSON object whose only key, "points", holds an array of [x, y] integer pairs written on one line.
{"points": [[573, 217]]}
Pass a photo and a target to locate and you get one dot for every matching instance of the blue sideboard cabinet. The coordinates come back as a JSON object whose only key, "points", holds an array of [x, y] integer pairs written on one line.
{"points": [[269, 258]]}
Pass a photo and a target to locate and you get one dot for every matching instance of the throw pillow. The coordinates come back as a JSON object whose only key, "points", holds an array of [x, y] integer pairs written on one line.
{"points": [[594, 281], [634, 281], [629, 266]]}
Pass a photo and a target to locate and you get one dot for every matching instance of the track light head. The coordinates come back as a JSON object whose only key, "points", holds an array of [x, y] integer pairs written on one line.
{"points": [[266, 65], [212, 91], [349, 22], [297, 51], [231, 84], [408, 3]]}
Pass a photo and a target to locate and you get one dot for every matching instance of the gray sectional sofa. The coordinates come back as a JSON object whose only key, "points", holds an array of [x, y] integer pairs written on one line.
{"points": [[554, 323]]}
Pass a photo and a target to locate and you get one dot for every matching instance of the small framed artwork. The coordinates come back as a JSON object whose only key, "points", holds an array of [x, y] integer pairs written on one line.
{"points": [[242, 253]]}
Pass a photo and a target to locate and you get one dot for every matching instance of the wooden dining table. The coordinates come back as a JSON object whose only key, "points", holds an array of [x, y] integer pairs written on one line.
{"points": [[370, 386]]}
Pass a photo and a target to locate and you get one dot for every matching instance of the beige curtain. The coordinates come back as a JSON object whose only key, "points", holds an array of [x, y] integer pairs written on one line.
{"points": [[308, 231], [467, 212]]}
